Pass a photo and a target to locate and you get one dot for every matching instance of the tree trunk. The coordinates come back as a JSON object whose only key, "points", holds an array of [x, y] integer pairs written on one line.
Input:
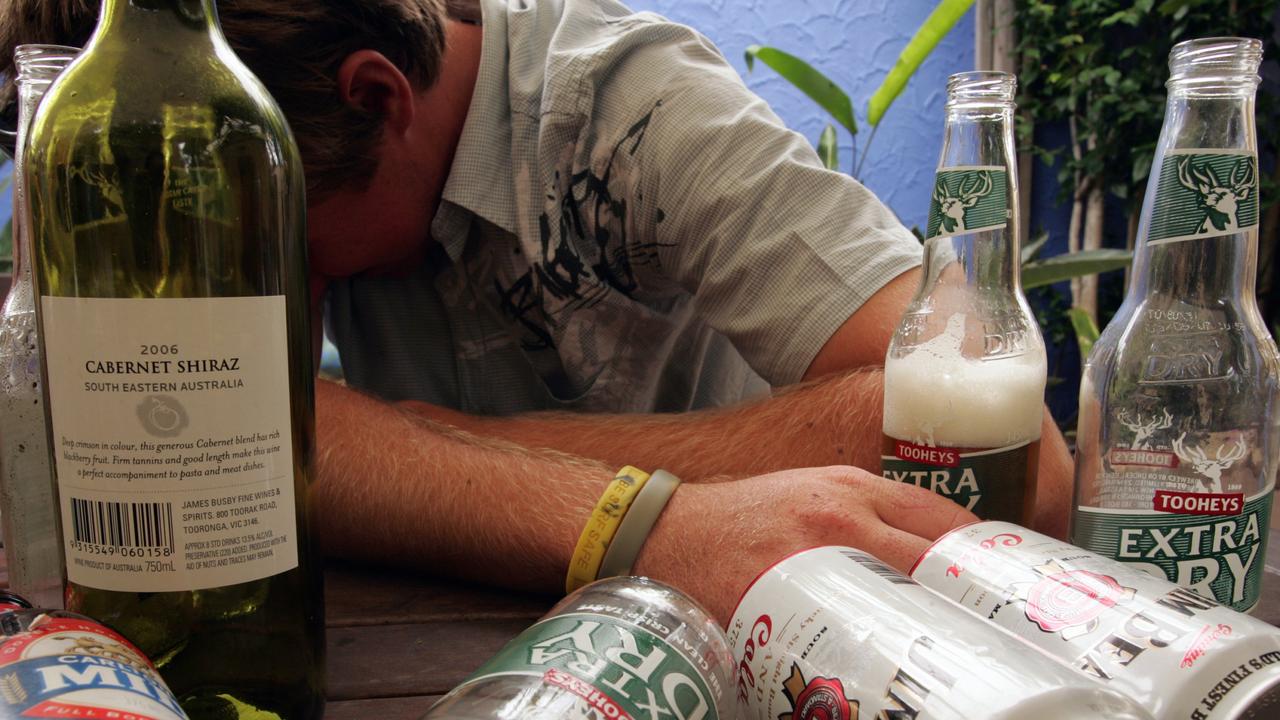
{"points": [[1131, 240], [1268, 238], [1077, 210], [1093, 226]]}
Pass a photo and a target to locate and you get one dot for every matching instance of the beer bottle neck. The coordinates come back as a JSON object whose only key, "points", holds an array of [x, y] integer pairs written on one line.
{"points": [[37, 66], [1198, 234], [974, 219]]}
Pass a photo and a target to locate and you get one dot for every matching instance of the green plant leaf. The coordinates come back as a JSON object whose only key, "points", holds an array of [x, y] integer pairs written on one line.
{"points": [[827, 149], [1086, 330], [938, 24], [1078, 264], [808, 80], [6, 247], [1034, 246]]}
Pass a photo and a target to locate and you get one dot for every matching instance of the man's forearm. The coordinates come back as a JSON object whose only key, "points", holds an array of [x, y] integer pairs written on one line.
{"points": [[394, 488], [835, 421], [391, 488]]}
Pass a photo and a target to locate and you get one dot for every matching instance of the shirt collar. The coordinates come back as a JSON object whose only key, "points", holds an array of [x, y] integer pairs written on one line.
{"points": [[480, 179]]}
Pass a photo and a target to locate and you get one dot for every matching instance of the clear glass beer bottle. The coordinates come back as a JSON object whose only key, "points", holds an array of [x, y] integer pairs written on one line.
{"points": [[1178, 419], [27, 501], [965, 372], [620, 647]]}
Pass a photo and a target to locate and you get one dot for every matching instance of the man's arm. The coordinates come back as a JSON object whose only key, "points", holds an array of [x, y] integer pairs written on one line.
{"points": [[394, 488], [833, 420]]}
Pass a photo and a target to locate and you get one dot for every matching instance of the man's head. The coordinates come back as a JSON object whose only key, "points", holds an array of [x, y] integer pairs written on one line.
{"points": [[296, 48]]}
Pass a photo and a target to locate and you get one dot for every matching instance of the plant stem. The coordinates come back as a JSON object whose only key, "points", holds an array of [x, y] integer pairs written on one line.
{"points": [[857, 173]]}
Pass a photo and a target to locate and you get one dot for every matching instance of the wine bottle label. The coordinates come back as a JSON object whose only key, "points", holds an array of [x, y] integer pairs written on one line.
{"points": [[968, 200], [989, 482], [71, 668], [172, 440], [1179, 653], [1204, 193], [1206, 547], [614, 664]]}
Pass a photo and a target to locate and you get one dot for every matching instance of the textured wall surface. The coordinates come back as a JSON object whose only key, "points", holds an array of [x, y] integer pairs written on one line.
{"points": [[853, 42]]}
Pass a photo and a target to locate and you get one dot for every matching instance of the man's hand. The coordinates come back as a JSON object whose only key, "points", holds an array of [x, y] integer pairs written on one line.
{"points": [[714, 539]]}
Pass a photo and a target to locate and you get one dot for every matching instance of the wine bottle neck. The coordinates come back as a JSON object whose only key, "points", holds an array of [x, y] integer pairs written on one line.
{"points": [[158, 19]]}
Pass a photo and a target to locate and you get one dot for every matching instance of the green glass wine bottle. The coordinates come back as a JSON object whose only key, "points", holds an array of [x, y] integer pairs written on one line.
{"points": [[168, 212]]}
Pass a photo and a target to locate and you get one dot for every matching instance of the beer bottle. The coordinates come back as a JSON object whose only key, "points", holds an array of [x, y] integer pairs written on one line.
{"points": [[965, 373], [832, 632], [1178, 434], [27, 501], [60, 664], [620, 647], [168, 222]]}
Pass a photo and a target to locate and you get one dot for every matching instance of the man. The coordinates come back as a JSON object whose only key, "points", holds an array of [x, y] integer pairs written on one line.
{"points": [[559, 205]]}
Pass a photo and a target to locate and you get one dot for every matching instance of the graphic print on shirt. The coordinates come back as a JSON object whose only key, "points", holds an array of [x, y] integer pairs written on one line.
{"points": [[592, 212]]}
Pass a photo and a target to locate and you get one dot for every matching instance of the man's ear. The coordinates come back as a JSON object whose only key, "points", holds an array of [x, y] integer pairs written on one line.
{"points": [[369, 81]]}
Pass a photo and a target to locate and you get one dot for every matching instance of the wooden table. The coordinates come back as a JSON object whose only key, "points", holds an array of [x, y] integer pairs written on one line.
{"points": [[398, 641]]}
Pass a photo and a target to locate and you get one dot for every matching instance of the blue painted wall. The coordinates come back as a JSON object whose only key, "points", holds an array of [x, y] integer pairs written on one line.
{"points": [[6, 197], [853, 42]]}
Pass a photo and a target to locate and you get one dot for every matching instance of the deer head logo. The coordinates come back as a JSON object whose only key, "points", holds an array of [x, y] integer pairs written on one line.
{"points": [[1219, 201], [951, 208], [1211, 468], [1144, 429]]}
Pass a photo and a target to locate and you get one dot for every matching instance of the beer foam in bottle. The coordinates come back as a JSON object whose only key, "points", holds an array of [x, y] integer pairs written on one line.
{"points": [[964, 427]]}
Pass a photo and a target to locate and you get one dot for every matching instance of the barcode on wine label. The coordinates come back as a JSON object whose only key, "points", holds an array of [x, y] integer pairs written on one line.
{"points": [[115, 524]]}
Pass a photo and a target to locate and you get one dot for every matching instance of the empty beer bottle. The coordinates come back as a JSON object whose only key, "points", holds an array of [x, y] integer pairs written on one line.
{"points": [[623, 647], [27, 499], [965, 373], [168, 224], [1178, 434]]}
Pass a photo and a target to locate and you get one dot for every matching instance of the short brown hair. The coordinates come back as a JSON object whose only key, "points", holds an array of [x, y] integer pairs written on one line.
{"points": [[295, 48]]}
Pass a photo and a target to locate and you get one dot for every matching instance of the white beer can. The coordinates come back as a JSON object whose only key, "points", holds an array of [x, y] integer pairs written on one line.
{"points": [[1180, 654], [834, 634]]}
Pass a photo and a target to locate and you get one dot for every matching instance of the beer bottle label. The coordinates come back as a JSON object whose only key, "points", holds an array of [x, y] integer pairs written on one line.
{"points": [[990, 483], [72, 668], [1212, 543], [172, 440], [616, 664], [1204, 193], [968, 200]]}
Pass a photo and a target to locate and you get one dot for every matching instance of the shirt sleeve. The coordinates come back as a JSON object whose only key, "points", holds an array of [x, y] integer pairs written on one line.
{"points": [[776, 250]]}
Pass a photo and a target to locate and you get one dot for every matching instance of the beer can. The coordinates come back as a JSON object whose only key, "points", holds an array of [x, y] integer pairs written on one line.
{"points": [[56, 664], [834, 634], [1180, 654]]}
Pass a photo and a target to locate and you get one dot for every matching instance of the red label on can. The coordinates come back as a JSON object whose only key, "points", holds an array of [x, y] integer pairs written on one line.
{"points": [[925, 455], [1188, 503], [1070, 598]]}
